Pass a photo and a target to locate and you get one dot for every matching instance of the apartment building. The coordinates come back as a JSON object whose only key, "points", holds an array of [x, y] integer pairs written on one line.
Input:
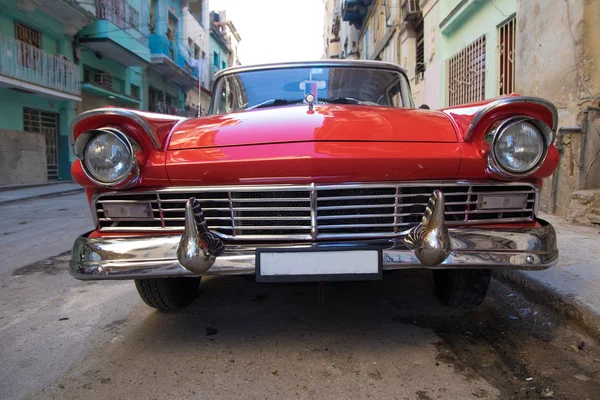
{"points": [[463, 51], [220, 49], [59, 58], [386, 30], [112, 53], [197, 31], [40, 85]]}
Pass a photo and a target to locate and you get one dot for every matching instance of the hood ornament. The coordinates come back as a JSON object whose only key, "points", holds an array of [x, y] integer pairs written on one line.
{"points": [[430, 240], [310, 99], [198, 247]]}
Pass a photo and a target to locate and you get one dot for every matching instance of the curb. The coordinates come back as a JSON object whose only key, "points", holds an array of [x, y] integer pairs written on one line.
{"points": [[564, 305], [7, 188], [42, 196]]}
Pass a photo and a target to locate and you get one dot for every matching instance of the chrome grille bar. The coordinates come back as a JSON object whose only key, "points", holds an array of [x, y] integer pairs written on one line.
{"points": [[314, 212]]}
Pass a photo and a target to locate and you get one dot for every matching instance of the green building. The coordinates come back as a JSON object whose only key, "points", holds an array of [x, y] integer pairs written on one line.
{"points": [[113, 51], [40, 85], [59, 58]]}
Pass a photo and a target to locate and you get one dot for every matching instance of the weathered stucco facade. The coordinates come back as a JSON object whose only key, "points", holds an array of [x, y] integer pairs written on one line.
{"points": [[22, 157], [558, 58]]}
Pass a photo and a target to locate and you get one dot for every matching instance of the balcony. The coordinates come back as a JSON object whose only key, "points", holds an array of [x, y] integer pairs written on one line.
{"points": [[30, 69], [117, 33], [354, 11], [164, 108], [102, 84], [74, 15], [170, 61]]}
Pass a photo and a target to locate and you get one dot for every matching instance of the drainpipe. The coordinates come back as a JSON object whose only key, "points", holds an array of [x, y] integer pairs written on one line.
{"points": [[584, 130], [558, 144]]}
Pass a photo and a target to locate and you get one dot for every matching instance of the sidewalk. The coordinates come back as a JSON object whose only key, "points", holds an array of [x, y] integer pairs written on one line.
{"points": [[573, 286], [10, 194]]}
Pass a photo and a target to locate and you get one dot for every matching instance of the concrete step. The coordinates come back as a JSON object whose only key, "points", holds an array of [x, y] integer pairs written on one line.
{"points": [[584, 208]]}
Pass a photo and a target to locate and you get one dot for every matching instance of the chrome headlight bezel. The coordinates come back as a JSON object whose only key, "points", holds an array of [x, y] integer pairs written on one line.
{"points": [[133, 171], [496, 132]]}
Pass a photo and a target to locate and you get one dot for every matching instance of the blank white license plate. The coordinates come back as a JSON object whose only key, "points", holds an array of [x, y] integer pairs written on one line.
{"points": [[289, 265]]}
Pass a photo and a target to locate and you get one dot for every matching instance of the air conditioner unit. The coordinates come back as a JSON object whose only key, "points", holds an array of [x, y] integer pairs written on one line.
{"points": [[410, 10]]}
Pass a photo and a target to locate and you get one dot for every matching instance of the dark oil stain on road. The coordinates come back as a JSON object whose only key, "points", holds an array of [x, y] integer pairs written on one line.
{"points": [[519, 346], [52, 266]]}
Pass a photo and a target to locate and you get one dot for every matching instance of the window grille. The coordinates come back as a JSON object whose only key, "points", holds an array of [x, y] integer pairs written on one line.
{"points": [[506, 69], [466, 74], [420, 66], [29, 55], [46, 124]]}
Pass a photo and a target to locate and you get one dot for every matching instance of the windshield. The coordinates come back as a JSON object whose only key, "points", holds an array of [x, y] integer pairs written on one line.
{"points": [[287, 86]]}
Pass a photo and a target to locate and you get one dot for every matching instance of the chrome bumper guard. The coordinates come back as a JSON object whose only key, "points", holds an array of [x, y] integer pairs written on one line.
{"points": [[199, 252]]}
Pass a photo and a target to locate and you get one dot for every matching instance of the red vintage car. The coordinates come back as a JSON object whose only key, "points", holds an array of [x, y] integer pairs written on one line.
{"points": [[313, 172]]}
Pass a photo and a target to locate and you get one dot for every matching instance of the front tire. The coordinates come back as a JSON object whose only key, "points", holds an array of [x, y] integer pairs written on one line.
{"points": [[461, 288], [168, 294]]}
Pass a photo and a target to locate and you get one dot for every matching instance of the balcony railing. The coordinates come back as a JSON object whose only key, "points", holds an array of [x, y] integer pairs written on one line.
{"points": [[115, 12], [164, 108], [30, 64]]}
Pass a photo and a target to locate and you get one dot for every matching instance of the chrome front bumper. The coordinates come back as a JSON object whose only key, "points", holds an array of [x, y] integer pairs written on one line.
{"points": [[153, 257]]}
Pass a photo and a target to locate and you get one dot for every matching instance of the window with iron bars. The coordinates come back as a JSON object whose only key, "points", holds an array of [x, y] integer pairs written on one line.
{"points": [[466, 74], [506, 67], [28, 55], [420, 65]]}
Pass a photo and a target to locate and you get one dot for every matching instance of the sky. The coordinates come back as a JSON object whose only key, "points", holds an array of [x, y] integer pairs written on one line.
{"points": [[276, 30]]}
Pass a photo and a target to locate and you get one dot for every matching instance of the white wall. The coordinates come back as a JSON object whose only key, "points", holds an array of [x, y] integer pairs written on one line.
{"points": [[199, 34], [430, 92]]}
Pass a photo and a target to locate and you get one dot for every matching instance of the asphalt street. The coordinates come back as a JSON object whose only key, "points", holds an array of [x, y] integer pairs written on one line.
{"points": [[65, 339]]}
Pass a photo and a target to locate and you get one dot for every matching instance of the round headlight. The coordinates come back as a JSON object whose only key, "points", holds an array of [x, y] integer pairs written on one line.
{"points": [[108, 158], [519, 146]]}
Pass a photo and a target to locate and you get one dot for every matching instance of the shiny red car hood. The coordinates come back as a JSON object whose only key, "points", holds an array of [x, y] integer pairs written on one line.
{"points": [[327, 123]]}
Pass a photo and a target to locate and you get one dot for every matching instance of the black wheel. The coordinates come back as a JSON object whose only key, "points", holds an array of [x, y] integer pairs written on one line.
{"points": [[168, 294], [461, 288]]}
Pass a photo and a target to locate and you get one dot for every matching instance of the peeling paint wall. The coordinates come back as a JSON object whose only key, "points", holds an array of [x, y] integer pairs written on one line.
{"points": [[557, 58]]}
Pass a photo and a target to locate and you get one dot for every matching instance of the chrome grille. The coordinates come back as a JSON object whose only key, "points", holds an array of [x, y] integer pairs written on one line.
{"points": [[311, 212]]}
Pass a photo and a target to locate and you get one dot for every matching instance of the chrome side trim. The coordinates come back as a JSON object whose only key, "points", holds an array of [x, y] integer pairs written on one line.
{"points": [[150, 257], [502, 102]]}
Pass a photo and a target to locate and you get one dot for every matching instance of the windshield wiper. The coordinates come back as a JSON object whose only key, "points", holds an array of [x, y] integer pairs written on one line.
{"points": [[275, 103], [346, 100]]}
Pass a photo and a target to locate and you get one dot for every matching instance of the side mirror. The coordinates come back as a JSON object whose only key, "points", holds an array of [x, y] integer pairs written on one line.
{"points": [[424, 107]]}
